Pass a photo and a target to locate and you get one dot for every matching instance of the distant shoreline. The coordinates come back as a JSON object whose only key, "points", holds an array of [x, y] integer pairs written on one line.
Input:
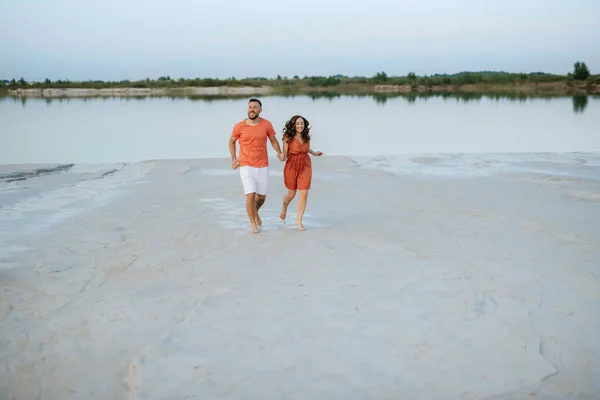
{"points": [[539, 88], [134, 92]]}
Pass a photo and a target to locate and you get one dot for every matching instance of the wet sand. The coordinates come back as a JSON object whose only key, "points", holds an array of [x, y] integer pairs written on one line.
{"points": [[142, 281]]}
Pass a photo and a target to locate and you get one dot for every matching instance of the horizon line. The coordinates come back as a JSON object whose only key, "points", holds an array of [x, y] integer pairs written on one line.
{"points": [[298, 77]]}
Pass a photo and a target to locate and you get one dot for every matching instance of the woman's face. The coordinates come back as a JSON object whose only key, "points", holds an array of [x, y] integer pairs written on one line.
{"points": [[299, 125]]}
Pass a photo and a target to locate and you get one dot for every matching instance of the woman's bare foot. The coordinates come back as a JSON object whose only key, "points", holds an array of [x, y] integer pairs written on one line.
{"points": [[253, 229], [283, 213], [300, 226]]}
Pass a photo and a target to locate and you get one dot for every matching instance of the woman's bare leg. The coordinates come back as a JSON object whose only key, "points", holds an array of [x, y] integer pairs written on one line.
{"points": [[287, 199], [301, 208]]}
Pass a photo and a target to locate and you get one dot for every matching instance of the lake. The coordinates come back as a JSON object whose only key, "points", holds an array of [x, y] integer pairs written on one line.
{"points": [[118, 129]]}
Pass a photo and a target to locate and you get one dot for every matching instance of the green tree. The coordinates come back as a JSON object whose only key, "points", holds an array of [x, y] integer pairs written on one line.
{"points": [[581, 71], [380, 77]]}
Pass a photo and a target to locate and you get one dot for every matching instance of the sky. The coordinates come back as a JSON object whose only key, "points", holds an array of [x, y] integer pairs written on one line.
{"points": [[138, 39]]}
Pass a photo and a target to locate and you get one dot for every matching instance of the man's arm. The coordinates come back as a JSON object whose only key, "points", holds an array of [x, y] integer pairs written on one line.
{"points": [[273, 139], [234, 161], [275, 145]]}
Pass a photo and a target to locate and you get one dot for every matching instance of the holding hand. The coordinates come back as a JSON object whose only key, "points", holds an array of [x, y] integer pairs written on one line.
{"points": [[318, 153], [281, 157], [235, 164]]}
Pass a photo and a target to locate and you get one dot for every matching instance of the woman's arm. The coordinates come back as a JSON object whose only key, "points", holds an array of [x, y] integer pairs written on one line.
{"points": [[285, 148], [315, 153]]}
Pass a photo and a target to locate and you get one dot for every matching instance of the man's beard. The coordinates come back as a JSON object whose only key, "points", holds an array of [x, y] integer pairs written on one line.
{"points": [[255, 116]]}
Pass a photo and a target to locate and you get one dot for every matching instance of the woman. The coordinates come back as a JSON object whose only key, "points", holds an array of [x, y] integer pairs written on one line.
{"points": [[297, 173]]}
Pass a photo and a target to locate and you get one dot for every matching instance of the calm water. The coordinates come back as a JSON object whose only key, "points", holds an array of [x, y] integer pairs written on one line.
{"points": [[390, 133], [104, 130]]}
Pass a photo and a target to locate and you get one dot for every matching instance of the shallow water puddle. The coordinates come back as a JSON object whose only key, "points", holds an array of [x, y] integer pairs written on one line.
{"points": [[232, 216]]}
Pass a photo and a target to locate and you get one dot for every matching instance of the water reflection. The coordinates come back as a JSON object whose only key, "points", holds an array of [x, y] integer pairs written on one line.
{"points": [[580, 102], [119, 129]]}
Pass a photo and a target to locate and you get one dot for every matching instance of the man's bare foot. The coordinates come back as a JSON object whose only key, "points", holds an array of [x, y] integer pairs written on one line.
{"points": [[300, 226], [258, 221], [253, 229]]}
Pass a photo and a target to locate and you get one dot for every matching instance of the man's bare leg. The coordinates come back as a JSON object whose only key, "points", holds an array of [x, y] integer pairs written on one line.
{"points": [[287, 199], [260, 200], [301, 208], [251, 210]]}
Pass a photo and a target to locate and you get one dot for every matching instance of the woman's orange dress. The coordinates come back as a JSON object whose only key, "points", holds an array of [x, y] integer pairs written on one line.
{"points": [[297, 173]]}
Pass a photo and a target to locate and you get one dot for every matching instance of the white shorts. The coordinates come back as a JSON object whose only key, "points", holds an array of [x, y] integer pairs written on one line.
{"points": [[255, 180]]}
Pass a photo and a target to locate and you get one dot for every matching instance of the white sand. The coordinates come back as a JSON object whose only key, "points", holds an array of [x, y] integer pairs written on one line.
{"points": [[404, 286], [192, 90]]}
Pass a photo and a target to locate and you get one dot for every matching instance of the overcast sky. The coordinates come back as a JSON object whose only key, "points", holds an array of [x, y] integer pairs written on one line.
{"points": [[135, 39]]}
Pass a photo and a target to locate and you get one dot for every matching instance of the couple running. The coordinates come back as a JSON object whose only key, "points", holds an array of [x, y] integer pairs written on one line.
{"points": [[253, 162]]}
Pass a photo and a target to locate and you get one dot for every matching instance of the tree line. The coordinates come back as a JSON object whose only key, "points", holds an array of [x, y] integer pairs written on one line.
{"points": [[580, 73]]}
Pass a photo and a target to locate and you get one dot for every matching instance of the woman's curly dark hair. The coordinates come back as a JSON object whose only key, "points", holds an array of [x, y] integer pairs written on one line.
{"points": [[289, 131]]}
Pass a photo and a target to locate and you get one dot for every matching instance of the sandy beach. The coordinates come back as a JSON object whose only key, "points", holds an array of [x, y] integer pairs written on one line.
{"points": [[429, 277], [133, 92], [560, 88]]}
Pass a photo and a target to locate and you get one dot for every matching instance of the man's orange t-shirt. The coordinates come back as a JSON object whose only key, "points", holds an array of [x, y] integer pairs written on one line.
{"points": [[253, 142]]}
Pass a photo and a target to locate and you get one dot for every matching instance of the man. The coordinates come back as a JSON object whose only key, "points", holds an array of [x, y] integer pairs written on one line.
{"points": [[253, 162]]}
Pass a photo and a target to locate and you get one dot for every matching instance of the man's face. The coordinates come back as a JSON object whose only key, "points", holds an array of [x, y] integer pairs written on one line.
{"points": [[254, 110]]}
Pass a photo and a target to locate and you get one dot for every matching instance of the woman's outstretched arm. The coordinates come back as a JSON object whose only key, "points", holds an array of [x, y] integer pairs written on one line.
{"points": [[315, 153]]}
